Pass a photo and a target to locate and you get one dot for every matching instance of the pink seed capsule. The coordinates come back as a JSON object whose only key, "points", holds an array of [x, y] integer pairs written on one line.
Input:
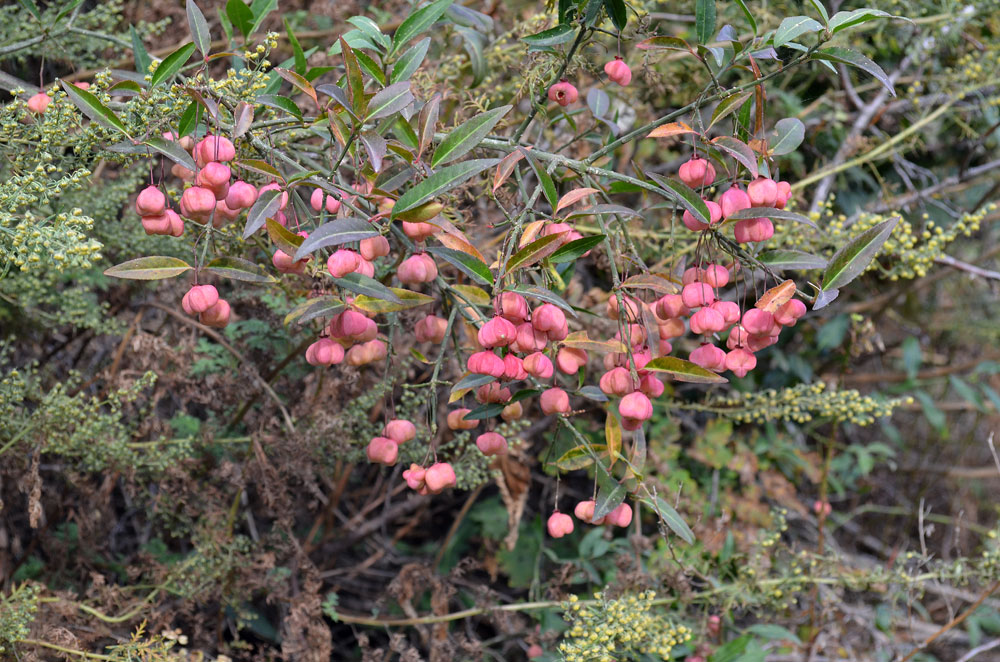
{"points": [[559, 524], [790, 312], [513, 307], [287, 264], [513, 369], [414, 477], [734, 200], [512, 412], [670, 306], [620, 516], [431, 329], [763, 192], [529, 339], [417, 269], [740, 361], [759, 322], [554, 401], [569, 360], [374, 247], [707, 320], [157, 225], [584, 512], [563, 93], [716, 275], [348, 324], [695, 295], [617, 381], [491, 443], [275, 186], [618, 71], [151, 202], [692, 223], [754, 230], [486, 363], [382, 450], [651, 386], [214, 148], [217, 316], [729, 310], [784, 194], [439, 476], [215, 177], [493, 393], [538, 365], [697, 173], [324, 352], [197, 203], [456, 420], [39, 103], [241, 195], [632, 308], [710, 357], [419, 231], [548, 317], [636, 406], [365, 268], [199, 299], [400, 430], [342, 262], [498, 332]]}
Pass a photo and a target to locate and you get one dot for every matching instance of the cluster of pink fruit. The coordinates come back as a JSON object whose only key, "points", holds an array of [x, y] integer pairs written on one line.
{"points": [[560, 524], [565, 93], [385, 450]]}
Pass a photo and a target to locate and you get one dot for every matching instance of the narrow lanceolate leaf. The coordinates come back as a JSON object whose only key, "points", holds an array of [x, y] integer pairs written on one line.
{"points": [[684, 371], [855, 59], [579, 457], [655, 282], [172, 151], [153, 267], [847, 19], [92, 107], [286, 240], [854, 257], [505, 168], [821, 10], [407, 299], [613, 438], [362, 284], [704, 20], [664, 43], [670, 130], [788, 259], [238, 269], [267, 205], [575, 249], [355, 81], [240, 15], [440, 182], [728, 105], [748, 15], [242, 118], [311, 309], [467, 264], [199, 28], [548, 186], [610, 493], [376, 147], [390, 100], [685, 195], [139, 54], [534, 252], [467, 136], [410, 61], [279, 102], [334, 233], [171, 64], [771, 213], [300, 83], [671, 518], [560, 34], [776, 297], [548, 296], [794, 27], [471, 381], [787, 136], [418, 22], [580, 340], [739, 150], [573, 197]]}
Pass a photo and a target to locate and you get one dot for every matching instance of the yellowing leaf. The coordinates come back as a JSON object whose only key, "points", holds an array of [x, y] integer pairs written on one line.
{"points": [[613, 437], [580, 340], [776, 297], [459, 243], [409, 299], [473, 294], [573, 197], [670, 130]]}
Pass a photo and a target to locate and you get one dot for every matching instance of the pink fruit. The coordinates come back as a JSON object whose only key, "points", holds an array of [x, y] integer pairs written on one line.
{"points": [[707, 320], [39, 102], [416, 269], [223, 214], [214, 148], [758, 322], [275, 186], [620, 516], [513, 368], [456, 420], [151, 202], [414, 477], [569, 360], [538, 365], [241, 195], [584, 512], [529, 339], [400, 430], [759, 341], [320, 197], [548, 317], [199, 299], [763, 192], [367, 352], [176, 224], [695, 295], [431, 329], [729, 310], [439, 476], [198, 203], [513, 307], [349, 324], [419, 231], [710, 357], [215, 177], [374, 247], [159, 224], [493, 393], [790, 312], [216, 316], [738, 337], [324, 352], [365, 268], [486, 363], [784, 194], [651, 386], [636, 405], [692, 223], [512, 412], [498, 332], [618, 381], [563, 93], [671, 306], [618, 71], [179, 171], [716, 275], [342, 262], [491, 443], [287, 264], [534, 650], [734, 200], [632, 307], [554, 401], [697, 173], [740, 361], [382, 450], [753, 230], [559, 524], [822, 508]]}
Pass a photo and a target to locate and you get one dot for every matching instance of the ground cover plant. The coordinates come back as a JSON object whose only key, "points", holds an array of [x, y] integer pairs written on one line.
{"points": [[590, 330]]}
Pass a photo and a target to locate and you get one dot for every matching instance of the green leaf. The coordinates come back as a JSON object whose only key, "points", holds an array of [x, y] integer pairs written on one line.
{"points": [[172, 151], [171, 64], [685, 195], [189, 120], [969, 394], [467, 136], [440, 182], [579, 457], [334, 233], [782, 259], [847, 19], [240, 16], [472, 381], [537, 250], [548, 186], [773, 632], [310, 309], [260, 9], [32, 8], [740, 151], [407, 299], [266, 206], [362, 284], [728, 105], [610, 493], [787, 136], [286, 240], [855, 59], [560, 34], [548, 296], [154, 267], [355, 81], [672, 518], [280, 102], [854, 257], [410, 61], [772, 213], [821, 10], [575, 249], [238, 269], [370, 66], [617, 12], [139, 54], [794, 27], [470, 265], [482, 412], [92, 107], [371, 29], [749, 16], [704, 20], [390, 100], [731, 651], [199, 27], [684, 371], [418, 22], [65, 11]]}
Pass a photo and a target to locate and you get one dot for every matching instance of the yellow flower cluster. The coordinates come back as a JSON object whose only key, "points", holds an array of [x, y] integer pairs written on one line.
{"points": [[803, 403]]}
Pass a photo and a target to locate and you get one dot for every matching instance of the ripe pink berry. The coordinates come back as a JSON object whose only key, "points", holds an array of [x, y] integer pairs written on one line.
{"points": [[529, 339], [555, 401], [563, 93], [538, 365], [217, 316], [512, 412], [738, 337], [716, 275], [665, 347], [39, 103], [618, 381], [374, 247], [431, 329], [287, 264], [753, 230], [493, 393], [414, 477], [275, 186], [223, 214], [692, 223], [584, 512], [365, 268], [400, 430], [486, 363], [618, 71], [651, 386], [159, 224], [695, 295], [784, 194], [697, 173], [382, 450], [632, 308], [179, 171], [740, 361], [367, 352], [707, 320], [320, 197], [671, 306], [151, 202], [176, 224], [513, 368], [710, 357], [241, 195], [763, 192], [324, 352], [569, 360], [456, 420], [214, 148], [548, 317], [734, 200], [789, 313], [636, 406], [759, 341], [419, 231], [342, 262], [416, 269], [559, 524], [729, 310], [534, 650], [491, 443], [215, 177], [758, 322], [199, 299], [349, 324], [197, 203], [822, 508], [498, 332], [439, 476], [714, 625], [514, 307], [620, 516]]}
